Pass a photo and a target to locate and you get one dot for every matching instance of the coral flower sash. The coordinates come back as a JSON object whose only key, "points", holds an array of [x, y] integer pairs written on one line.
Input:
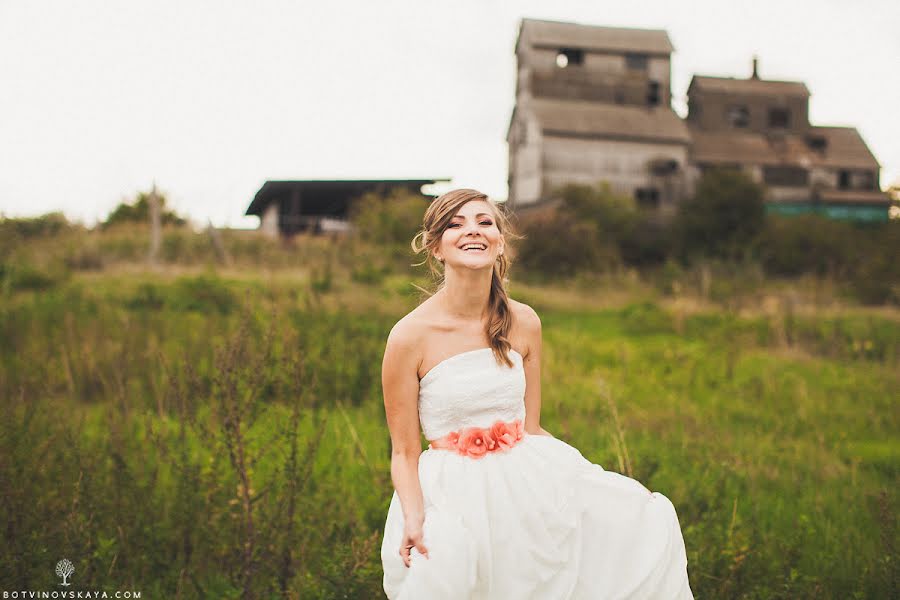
{"points": [[476, 442]]}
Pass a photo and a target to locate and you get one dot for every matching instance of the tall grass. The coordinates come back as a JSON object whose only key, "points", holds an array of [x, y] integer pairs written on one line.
{"points": [[221, 434]]}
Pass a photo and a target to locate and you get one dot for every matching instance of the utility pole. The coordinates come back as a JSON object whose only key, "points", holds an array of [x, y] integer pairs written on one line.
{"points": [[153, 201]]}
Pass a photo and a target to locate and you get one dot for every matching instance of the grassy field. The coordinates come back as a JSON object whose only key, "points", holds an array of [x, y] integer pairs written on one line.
{"points": [[197, 434]]}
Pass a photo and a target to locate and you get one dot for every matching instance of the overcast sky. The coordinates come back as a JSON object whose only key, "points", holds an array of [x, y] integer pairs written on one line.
{"points": [[99, 99]]}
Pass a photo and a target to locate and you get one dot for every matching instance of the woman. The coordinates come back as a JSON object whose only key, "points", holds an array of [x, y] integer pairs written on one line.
{"points": [[496, 507]]}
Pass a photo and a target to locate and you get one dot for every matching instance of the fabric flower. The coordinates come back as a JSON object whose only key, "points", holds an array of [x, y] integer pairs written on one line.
{"points": [[475, 442], [520, 429], [504, 434]]}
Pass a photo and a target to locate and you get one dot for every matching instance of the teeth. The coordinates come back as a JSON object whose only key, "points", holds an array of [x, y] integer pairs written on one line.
{"points": [[477, 246]]}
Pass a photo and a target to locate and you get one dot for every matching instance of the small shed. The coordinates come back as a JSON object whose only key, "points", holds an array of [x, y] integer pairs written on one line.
{"points": [[286, 208]]}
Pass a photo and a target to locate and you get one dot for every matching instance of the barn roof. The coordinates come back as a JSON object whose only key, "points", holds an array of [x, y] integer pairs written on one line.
{"points": [[594, 119], [329, 196], [749, 86], [557, 34], [840, 147]]}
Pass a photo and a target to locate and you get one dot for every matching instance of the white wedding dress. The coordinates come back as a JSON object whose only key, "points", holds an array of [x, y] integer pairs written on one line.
{"points": [[536, 521]]}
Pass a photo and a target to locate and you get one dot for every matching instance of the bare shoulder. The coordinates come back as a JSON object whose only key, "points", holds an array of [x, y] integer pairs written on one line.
{"points": [[525, 316], [405, 341], [527, 324], [405, 334]]}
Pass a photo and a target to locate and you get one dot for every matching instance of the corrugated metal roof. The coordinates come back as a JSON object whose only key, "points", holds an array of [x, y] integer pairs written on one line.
{"points": [[750, 86], [573, 117], [844, 148], [593, 37]]}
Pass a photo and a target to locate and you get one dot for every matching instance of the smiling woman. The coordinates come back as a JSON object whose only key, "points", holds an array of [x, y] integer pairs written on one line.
{"points": [[496, 506]]}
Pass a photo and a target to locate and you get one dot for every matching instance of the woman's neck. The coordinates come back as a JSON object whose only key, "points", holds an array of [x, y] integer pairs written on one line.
{"points": [[466, 298]]}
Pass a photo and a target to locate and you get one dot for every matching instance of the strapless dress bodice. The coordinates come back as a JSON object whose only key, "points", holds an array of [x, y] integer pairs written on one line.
{"points": [[471, 389]]}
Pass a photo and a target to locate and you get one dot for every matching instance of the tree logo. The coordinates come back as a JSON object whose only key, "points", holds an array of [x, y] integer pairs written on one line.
{"points": [[64, 569]]}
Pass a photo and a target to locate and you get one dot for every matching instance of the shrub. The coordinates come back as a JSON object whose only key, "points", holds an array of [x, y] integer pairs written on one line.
{"points": [[139, 211], [31, 227], [28, 277], [388, 221], [614, 214], [726, 213], [559, 245], [805, 244]]}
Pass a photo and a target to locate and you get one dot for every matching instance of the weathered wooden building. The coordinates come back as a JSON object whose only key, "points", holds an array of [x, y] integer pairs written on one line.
{"points": [[762, 128], [593, 104], [286, 208]]}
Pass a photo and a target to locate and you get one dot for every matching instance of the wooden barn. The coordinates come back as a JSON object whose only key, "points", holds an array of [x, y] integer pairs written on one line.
{"points": [[594, 104], [286, 208]]}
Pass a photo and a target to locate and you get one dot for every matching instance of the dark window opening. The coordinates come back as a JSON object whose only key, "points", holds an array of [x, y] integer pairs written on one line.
{"points": [[662, 167], [786, 176], [569, 56], [856, 180], [636, 62], [647, 197], [779, 117], [817, 142], [738, 116], [653, 93], [844, 180]]}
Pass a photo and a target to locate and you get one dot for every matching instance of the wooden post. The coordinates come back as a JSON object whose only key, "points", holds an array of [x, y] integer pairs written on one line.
{"points": [[155, 225], [218, 244]]}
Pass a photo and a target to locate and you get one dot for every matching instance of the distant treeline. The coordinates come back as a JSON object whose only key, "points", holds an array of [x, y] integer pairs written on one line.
{"points": [[723, 232], [725, 223]]}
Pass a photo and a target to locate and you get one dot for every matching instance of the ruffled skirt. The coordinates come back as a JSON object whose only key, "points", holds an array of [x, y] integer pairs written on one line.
{"points": [[537, 521]]}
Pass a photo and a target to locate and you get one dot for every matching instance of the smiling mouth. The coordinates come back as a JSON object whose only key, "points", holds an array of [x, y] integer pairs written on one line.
{"points": [[474, 247]]}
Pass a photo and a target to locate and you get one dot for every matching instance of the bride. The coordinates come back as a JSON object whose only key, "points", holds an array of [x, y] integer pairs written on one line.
{"points": [[497, 507]]}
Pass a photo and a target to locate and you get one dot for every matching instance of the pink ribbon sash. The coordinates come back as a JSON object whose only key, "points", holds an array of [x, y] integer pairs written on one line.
{"points": [[476, 442]]}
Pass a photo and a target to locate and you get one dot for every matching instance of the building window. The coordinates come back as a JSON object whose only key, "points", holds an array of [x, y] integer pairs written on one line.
{"points": [[844, 180], [636, 62], [647, 197], [569, 56], [738, 116], [856, 180], [653, 93], [864, 180], [817, 142], [786, 176], [779, 117]]}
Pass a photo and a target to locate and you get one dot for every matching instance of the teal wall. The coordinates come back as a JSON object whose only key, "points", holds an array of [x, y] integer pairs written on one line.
{"points": [[834, 211]]}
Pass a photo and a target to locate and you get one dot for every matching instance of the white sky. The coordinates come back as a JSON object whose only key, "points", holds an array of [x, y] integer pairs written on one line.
{"points": [[99, 99]]}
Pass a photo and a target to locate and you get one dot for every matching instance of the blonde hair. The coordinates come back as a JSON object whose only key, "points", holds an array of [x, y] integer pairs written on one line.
{"points": [[434, 223]]}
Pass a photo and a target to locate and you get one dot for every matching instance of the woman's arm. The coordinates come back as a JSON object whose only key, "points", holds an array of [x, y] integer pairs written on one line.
{"points": [[531, 330], [400, 385]]}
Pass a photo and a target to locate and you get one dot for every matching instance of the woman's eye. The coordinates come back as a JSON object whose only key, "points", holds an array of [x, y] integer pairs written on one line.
{"points": [[460, 224]]}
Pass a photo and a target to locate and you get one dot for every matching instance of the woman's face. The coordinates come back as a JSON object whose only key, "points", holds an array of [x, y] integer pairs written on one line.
{"points": [[472, 238]]}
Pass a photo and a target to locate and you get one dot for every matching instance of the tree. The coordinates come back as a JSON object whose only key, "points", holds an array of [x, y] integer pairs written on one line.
{"points": [[614, 214], [724, 216], [139, 212]]}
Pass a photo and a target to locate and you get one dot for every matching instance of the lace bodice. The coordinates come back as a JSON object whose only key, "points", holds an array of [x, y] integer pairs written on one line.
{"points": [[471, 390]]}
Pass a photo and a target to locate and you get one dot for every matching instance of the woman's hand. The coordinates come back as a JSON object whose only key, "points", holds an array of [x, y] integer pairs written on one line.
{"points": [[412, 536]]}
